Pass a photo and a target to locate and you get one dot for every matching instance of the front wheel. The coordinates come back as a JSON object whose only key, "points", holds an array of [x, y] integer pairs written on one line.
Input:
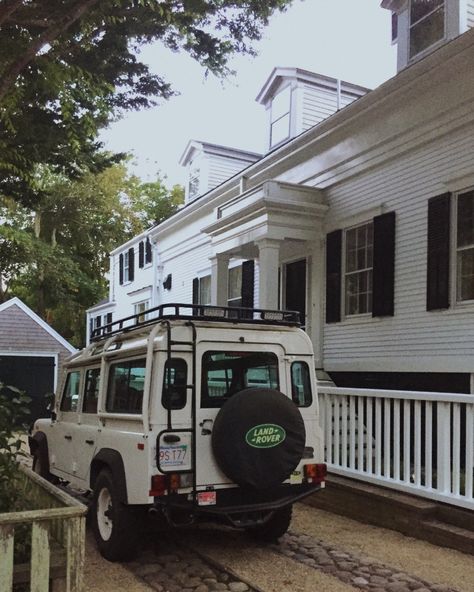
{"points": [[114, 524], [275, 527]]}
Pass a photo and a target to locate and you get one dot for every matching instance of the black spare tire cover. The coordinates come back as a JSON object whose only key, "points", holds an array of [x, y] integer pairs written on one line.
{"points": [[258, 438]]}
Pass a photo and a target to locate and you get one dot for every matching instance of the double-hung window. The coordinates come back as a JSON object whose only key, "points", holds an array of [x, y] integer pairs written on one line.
{"points": [[205, 290], [280, 117], [193, 186], [358, 269], [427, 24], [234, 292], [465, 246], [140, 309], [126, 266]]}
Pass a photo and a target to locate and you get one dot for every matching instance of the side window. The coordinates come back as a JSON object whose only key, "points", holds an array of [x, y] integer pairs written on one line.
{"points": [[125, 387], [91, 392], [70, 397], [301, 384], [174, 384]]}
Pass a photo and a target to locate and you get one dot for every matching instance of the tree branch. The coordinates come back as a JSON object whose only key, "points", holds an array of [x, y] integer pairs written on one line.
{"points": [[45, 38], [8, 9]]}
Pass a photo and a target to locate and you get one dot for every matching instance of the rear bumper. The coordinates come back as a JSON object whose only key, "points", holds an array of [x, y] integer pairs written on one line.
{"points": [[239, 506]]}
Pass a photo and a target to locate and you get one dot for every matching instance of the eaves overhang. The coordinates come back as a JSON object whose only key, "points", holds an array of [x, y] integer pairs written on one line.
{"points": [[300, 207], [389, 94]]}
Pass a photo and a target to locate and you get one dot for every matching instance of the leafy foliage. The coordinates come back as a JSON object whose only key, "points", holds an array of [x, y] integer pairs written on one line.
{"points": [[68, 66], [14, 413], [55, 256]]}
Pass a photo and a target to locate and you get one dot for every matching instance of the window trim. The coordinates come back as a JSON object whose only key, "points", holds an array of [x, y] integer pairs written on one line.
{"points": [[231, 301], [311, 395], [126, 267], [344, 314], [164, 403], [453, 255], [80, 389], [83, 398], [286, 113], [433, 46], [119, 414], [147, 304]]}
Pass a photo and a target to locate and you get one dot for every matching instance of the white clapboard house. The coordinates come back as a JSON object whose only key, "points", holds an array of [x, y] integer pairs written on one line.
{"points": [[361, 216]]}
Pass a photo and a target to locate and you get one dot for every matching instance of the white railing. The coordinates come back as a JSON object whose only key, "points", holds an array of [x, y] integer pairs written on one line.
{"points": [[417, 442]]}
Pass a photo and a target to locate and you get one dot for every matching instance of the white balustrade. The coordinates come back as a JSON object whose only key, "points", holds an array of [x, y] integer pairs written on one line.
{"points": [[417, 442]]}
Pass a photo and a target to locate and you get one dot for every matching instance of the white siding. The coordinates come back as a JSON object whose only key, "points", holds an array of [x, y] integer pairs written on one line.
{"points": [[470, 13], [320, 103], [222, 168], [408, 340]]}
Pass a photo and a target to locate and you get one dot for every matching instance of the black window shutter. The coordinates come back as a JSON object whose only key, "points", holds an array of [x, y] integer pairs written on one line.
{"points": [[384, 265], [131, 264], [148, 251], [109, 317], [248, 280], [141, 258], [437, 289], [196, 291], [121, 269], [333, 276]]}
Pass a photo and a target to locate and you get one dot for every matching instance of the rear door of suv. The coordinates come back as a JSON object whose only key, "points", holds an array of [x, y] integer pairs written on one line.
{"points": [[223, 370]]}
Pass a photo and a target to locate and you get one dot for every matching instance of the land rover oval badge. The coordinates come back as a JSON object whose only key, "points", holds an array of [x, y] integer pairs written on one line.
{"points": [[265, 435]]}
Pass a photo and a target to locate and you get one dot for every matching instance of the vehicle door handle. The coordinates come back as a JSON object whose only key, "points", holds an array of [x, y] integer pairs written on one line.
{"points": [[68, 437], [89, 441], [206, 425]]}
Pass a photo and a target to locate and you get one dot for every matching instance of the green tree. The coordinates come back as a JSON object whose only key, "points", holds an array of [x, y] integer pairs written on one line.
{"points": [[67, 66], [55, 255]]}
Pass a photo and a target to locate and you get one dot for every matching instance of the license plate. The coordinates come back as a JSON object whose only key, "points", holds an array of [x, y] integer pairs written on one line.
{"points": [[207, 498], [173, 456]]}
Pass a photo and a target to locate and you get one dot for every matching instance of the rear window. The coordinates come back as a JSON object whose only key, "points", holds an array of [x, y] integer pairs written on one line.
{"points": [[125, 387], [226, 373]]}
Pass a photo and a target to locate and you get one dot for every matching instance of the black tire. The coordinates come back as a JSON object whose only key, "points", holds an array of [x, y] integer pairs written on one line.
{"points": [[114, 524], [275, 527], [263, 466]]}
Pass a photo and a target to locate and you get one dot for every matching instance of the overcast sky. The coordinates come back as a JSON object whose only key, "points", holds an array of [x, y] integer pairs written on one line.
{"points": [[348, 39]]}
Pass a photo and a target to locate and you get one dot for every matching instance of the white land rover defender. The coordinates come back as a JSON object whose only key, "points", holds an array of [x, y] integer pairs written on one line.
{"points": [[193, 412]]}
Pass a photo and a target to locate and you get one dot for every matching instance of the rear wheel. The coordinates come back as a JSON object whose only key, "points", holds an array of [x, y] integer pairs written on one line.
{"points": [[275, 527], [114, 524]]}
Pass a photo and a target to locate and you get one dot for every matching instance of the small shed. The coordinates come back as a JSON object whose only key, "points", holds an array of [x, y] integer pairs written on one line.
{"points": [[31, 353]]}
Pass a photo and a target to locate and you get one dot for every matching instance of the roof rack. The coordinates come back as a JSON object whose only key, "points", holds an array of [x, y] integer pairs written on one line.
{"points": [[192, 312]]}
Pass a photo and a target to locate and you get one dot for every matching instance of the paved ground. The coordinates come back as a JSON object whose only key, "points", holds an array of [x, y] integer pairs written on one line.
{"points": [[322, 553]]}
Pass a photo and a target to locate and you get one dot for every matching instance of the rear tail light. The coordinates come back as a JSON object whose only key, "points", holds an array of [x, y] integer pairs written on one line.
{"points": [[315, 473], [173, 481], [159, 485]]}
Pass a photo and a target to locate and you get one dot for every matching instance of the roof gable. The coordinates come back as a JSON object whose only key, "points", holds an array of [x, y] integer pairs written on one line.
{"points": [[38, 320]]}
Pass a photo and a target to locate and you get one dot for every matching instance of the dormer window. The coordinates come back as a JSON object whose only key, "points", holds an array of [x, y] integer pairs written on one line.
{"points": [[394, 27], [427, 24], [280, 117], [193, 188]]}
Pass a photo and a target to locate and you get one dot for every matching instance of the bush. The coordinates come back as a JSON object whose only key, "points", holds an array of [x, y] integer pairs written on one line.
{"points": [[14, 413]]}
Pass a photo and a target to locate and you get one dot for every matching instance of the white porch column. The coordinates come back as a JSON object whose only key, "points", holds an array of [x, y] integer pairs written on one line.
{"points": [[269, 261], [219, 279], [315, 320]]}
